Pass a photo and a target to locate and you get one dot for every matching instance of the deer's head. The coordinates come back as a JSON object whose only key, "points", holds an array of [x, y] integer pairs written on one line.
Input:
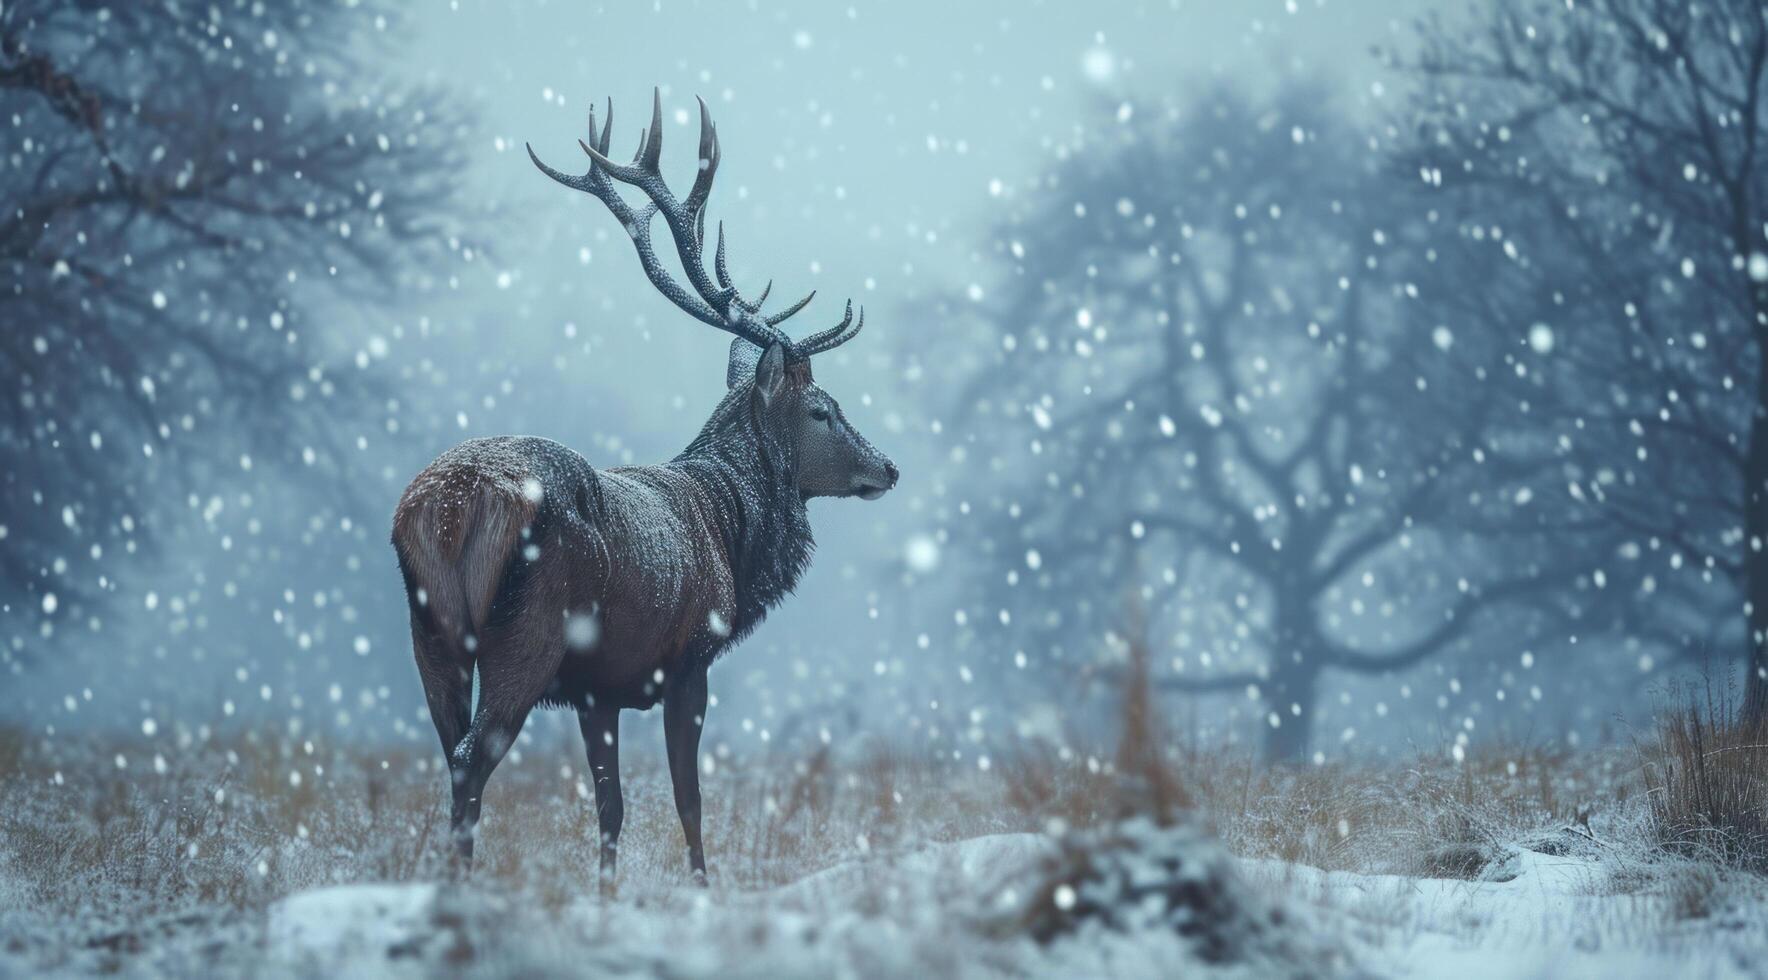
{"points": [[832, 458]]}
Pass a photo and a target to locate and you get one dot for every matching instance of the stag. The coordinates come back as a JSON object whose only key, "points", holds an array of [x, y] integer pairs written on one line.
{"points": [[598, 591]]}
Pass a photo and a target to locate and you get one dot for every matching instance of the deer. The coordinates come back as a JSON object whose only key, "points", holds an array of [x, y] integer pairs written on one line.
{"points": [[564, 586]]}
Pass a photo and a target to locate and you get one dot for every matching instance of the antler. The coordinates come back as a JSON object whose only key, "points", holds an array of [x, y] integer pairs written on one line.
{"points": [[716, 305], [835, 336]]}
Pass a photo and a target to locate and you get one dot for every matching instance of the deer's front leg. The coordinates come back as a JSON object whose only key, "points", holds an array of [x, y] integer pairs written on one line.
{"points": [[684, 714], [601, 736]]}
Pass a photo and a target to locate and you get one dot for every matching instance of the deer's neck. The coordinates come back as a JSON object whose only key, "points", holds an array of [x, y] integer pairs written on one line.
{"points": [[763, 522]]}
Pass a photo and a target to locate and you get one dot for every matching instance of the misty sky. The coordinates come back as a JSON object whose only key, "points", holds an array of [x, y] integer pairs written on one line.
{"points": [[867, 150]]}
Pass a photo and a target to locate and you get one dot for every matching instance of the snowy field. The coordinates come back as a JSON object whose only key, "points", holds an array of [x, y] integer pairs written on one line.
{"points": [[864, 867], [1295, 510]]}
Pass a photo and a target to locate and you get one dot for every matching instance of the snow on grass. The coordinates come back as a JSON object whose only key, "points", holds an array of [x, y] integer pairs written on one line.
{"points": [[883, 915], [937, 911], [859, 865], [1569, 915], [944, 910]]}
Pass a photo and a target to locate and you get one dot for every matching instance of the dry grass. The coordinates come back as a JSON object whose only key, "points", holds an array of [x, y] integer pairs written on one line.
{"points": [[239, 822], [228, 824], [1706, 778], [1363, 817]]}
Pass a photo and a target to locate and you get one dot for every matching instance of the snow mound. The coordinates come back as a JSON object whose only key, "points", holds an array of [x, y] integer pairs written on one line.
{"points": [[1138, 877], [352, 930]]}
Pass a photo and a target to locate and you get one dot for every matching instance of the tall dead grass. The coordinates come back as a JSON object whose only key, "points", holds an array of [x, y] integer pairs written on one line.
{"points": [[1705, 770], [237, 821]]}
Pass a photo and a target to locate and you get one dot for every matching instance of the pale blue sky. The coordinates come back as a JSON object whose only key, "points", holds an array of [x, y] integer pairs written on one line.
{"points": [[867, 148]]}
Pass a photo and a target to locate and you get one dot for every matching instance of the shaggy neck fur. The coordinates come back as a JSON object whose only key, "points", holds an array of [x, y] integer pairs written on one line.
{"points": [[751, 475]]}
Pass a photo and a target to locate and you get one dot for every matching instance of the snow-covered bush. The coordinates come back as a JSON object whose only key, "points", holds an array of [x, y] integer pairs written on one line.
{"points": [[1137, 875]]}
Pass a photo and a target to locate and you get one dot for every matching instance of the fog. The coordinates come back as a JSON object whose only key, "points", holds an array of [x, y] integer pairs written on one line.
{"points": [[903, 155]]}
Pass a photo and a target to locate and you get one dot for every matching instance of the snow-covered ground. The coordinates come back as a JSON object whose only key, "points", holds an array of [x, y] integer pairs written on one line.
{"points": [[1514, 866], [943, 910], [1558, 917], [880, 917], [940, 910]]}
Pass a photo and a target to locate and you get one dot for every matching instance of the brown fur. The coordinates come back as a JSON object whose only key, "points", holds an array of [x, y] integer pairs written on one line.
{"points": [[456, 528]]}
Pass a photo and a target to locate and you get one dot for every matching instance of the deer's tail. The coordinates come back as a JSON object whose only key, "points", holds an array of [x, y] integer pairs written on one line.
{"points": [[454, 550]]}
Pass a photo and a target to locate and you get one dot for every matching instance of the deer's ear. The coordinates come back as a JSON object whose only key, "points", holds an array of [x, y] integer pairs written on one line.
{"points": [[770, 373], [740, 367]]}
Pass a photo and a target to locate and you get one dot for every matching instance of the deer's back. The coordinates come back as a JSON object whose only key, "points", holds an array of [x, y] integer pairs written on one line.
{"points": [[496, 525], [669, 590]]}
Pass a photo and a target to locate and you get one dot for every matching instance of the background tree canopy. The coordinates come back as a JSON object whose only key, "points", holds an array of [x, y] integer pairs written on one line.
{"points": [[197, 208], [1207, 341], [1477, 383]]}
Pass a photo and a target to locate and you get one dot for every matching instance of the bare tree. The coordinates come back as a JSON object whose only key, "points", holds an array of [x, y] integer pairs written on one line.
{"points": [[193, 192], [1615, 150], [1208, 351]]}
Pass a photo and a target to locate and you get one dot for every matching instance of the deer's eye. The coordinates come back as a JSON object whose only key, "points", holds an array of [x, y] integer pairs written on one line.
{"points": [[819, 414]]}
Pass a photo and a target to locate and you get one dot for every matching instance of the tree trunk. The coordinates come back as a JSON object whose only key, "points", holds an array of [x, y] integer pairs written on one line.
{"points": [[1295, 679], [1755, 684], [1288, 742], [1755, 551]]}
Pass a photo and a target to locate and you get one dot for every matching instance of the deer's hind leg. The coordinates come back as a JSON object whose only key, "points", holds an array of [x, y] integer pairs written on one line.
{"points": [[446, 669], [447, 675], [518, 658]]}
